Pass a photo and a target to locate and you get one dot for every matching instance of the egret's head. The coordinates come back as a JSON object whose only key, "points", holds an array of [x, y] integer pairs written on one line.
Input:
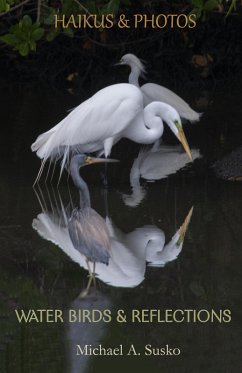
{"points": [[132, 61], [172, 118]]}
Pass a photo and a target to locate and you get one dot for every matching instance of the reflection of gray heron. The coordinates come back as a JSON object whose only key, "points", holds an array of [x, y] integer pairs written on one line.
{"points": [[130, 252], [87, 229], [83, 333], [154, 92], [98, 123]]}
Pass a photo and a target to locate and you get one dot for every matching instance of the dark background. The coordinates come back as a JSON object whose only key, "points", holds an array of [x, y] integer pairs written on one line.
{"points": [[35, 273]]}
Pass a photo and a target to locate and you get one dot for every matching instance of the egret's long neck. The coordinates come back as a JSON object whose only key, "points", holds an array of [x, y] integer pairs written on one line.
{"points": [[147, 126], [157, 109], [80, 184], [134, 75]]}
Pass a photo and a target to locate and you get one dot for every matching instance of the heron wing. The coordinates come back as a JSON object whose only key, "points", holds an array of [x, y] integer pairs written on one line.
{"points": [[89, 234], [155, 92]]}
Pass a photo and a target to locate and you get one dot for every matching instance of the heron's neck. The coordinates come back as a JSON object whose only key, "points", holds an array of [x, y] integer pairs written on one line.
{"points": [[81, 185], [134, 75]]}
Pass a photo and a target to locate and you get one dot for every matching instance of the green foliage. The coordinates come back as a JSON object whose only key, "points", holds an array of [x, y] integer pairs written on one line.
{"points": [[24, 35], [231, 7], [5, 5], [202, 7]]}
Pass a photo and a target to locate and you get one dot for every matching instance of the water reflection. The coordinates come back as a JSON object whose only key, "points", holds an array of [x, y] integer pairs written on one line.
{"points": [[130, 252], [83, 333], [153, 164]]}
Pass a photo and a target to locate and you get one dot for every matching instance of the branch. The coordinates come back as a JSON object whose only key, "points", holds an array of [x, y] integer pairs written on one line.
{"points": [[85, 9], [38, 11]]}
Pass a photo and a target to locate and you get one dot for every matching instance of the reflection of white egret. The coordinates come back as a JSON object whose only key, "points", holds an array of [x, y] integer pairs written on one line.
{"points": [[129, 252], [154, 92], [99, 122], [155, 164], [167, 160]]}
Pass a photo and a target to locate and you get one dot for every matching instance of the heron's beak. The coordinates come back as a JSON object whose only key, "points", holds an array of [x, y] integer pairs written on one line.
{"points": [[183, 228], [119, 63], [181, 136], [91, 160]]}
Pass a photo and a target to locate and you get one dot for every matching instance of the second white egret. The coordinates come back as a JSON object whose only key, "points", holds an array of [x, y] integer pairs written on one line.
{"points": [[155, 92]]}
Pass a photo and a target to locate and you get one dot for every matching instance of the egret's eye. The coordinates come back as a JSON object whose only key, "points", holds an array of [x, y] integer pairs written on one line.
{"points": [[177, 124], [87, 160]]}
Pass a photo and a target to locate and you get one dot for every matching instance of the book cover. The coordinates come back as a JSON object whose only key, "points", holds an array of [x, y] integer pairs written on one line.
{"points": [[120, 186]]}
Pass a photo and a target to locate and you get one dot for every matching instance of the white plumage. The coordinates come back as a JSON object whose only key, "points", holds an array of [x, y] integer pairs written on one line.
{"points": [[93, 122], [129, 254], [112, 113]]}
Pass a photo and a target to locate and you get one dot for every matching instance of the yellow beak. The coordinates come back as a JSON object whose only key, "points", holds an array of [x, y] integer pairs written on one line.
{"points": [[182, 138], [183, 228], [91, 160]]}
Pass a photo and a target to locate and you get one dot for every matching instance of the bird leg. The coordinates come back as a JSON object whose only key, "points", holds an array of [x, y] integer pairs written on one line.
{"points": [[104, 176], [91, 276], [93, 273]]}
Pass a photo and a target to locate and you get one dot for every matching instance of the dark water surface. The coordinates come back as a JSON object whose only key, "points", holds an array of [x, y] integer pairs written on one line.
{"points": [[37, 274]]}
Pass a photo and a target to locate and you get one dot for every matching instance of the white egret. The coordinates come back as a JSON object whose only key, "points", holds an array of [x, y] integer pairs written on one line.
{"points": [[112, 113], [155, 92]]}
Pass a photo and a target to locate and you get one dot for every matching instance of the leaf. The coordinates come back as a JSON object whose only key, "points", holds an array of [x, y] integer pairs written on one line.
{"points": [[71, 77], [231, 7], [112, 7], [38, 34], [26, 21], [52, 34], [3, 5], [23, 49], [35, 26], [197, 12], [198, 3], [210, 5], [9, 39], [201, 60], [32, 45], [15, 28], [49, 20]]}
